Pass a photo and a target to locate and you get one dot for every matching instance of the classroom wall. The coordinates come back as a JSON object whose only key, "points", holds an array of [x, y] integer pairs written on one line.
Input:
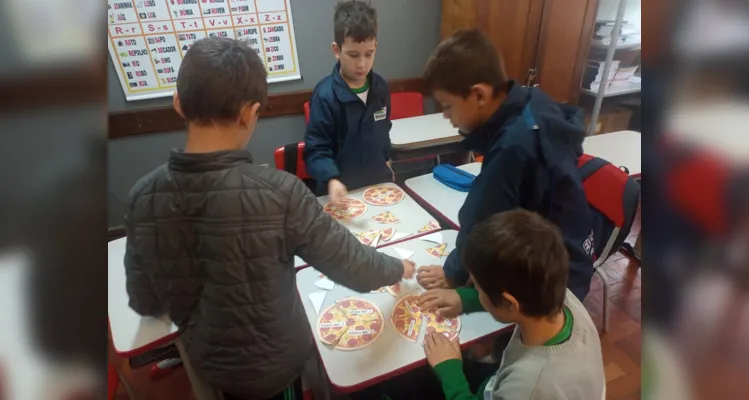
{"points": [[408, 32]]}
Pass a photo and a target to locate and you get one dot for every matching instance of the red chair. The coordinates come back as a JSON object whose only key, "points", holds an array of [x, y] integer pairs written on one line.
{"points": [[290, 158], [406, 104], [306, 112]]}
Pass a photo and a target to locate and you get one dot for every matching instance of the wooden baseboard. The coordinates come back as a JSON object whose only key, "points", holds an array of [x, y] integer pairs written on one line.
{"points": [[161, 119]]}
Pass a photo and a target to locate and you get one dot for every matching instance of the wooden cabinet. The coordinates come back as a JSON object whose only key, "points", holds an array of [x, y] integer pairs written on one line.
{"points": [[551, 37]]}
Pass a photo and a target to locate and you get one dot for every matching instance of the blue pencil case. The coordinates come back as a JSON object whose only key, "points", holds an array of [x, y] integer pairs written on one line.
{"points": [[453, 177]]}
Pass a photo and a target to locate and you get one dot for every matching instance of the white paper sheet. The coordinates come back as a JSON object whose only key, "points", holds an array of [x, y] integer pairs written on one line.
{"points": [[325, 283], [403, 253], [434, 238], [316, 299]]}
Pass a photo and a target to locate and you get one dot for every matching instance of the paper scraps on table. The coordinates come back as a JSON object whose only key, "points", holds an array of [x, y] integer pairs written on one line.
{"points": [[435, 238], [369, 238], [403, 253], [317, 299], [400, 235], [325, 283]]}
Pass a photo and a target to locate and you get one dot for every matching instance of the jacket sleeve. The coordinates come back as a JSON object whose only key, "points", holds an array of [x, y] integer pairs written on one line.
{"points": [[138, 260], [319, 142], [322, 242], [495, 189]]}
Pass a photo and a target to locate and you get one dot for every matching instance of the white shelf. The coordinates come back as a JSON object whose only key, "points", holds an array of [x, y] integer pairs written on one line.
{"points": [[632, 87], [620, 46]]}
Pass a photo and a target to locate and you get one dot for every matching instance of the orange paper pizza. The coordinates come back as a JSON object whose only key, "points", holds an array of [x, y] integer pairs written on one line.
{"points": [[383, 195], [354, 209], [350, 324], [438, 251], [387, 234], [386, 218], [431, 226], [407, 318], [368, 238]]}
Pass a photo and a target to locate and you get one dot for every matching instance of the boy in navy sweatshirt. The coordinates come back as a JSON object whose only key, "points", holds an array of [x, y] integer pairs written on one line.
{"points": [[347, 142], [530, 145]]}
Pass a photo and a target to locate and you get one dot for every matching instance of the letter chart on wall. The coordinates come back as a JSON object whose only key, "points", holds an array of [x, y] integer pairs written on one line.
{"points": [[148, 38]]}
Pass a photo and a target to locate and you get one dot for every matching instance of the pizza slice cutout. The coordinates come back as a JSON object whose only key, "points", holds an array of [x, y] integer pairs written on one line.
{"points": [[331, 325], [448, 327], [360, 334], [386, 217], [367, 238], [387, 234], [437, 251], [409, 327], [358, 309], [431, 226]]}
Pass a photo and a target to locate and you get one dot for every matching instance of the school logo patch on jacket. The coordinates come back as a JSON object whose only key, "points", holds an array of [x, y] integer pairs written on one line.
{"points": [[381, 114]]}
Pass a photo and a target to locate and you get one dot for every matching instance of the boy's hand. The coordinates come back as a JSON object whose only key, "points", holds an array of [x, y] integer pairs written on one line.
{"points": [[444, 302], [408, 269], [432, 277], [337, 192], [439, 348]]}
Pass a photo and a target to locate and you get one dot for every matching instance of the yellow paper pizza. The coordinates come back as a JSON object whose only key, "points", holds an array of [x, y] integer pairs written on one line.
{"points": [[438, 251], [353, 209], [387, 234], [431, 226], [407, 318], [449, 327], [386, 218], [368, 238], [383, 195], [350, 324]]}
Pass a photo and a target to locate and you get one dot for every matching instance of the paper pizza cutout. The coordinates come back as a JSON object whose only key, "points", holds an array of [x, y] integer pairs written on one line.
{"points": [[383, 195], [350, 324], [438, 251], [387, 234], [386, 218], [368, 238], [354, 209], [449, 327], [431, 226], [407, 318]]}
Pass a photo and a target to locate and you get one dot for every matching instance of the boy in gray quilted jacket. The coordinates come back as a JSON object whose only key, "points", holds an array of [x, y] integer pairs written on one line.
{"points": [[211, 238]]}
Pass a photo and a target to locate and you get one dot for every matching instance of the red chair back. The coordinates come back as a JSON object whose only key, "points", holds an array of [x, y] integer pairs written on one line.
{"points": [[306, 112], [406, 104], [290, 158]]}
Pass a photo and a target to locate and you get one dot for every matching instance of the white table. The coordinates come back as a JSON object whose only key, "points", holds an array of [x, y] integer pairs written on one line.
{"points": [[412, 218], [620, 148], [422, 131], [131, 333], [355, 370]]}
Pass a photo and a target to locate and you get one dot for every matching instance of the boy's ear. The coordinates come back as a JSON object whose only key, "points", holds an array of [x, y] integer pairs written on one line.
{"points": [[483, 92], [511, 302], [177, 106], [336, 51], [248, 115]]}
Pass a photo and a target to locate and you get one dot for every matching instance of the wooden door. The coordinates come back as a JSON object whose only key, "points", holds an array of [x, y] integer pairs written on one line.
{"points": [[563, 44], [512, 25]]}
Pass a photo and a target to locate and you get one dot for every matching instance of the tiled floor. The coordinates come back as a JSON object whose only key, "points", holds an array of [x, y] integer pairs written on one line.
{"points": [[621, 345]]}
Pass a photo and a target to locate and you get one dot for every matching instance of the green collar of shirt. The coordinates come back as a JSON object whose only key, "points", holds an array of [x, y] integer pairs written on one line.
{"points": [[361, 89], [566, 331]]}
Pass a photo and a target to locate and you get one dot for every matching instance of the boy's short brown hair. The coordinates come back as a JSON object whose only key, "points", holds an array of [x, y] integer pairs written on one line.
{"points": [[217, 77], [464, 59], [521, 253], [356, 20]]}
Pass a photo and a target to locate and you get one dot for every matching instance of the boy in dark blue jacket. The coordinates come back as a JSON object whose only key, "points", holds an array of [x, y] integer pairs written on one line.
{"points": [[347, 142], [530, 145]]}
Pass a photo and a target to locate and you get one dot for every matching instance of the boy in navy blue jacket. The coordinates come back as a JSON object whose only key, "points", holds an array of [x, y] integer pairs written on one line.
{"points": [[347, 142], [530, 145]]}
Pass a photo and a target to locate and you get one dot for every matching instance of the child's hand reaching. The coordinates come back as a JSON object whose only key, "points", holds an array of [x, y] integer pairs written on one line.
{"points": [[408, 269], [439, 348], [337, 192], [432, 277]]}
